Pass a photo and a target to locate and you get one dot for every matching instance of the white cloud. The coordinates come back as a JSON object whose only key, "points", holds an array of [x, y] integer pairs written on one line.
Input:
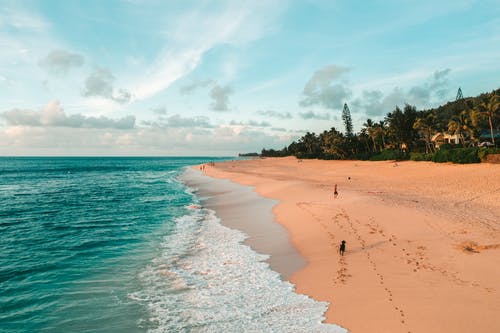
{"points": [[434, 90], [375, 103], [326, 88], [53, 115], [314, 115], [176, 141], [100, 83], [220, 97], [61, 61]]}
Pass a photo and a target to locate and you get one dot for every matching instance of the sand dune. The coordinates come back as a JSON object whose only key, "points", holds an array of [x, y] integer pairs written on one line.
{"points": [[423, 239]]}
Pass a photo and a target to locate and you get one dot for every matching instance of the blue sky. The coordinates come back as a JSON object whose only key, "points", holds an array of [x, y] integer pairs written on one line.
{"points": [[220, 77]]}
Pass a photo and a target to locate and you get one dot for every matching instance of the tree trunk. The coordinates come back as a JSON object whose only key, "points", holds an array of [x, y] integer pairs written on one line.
{"points": [[429, 136], [491, 129]]}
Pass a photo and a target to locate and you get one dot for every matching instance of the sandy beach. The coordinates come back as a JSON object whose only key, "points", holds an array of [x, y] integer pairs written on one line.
{"points": [[423, 239]]}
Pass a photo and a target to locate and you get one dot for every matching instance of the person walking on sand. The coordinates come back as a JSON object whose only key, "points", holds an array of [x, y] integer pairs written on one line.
{"points": [[335, 193], [342, 248]]}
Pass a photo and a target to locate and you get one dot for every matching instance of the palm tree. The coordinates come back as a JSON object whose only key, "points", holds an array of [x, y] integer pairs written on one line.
{"points": [[401, 125], [365, 139], [369, 128], [311, 144], [461, 124], [488, 108], [333, 143], [426, 123], [381, 132]]}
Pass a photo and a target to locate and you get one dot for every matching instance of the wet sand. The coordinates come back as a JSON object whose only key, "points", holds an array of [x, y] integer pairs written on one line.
{"points": [[240, 207], [423, 239]]}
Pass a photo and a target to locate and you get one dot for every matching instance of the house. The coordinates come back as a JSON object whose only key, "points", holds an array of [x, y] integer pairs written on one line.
{"points": [[441, 138]]}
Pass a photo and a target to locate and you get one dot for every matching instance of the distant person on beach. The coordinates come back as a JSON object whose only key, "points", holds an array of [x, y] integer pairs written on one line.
{"points": [[335, 193], [342, 248]]}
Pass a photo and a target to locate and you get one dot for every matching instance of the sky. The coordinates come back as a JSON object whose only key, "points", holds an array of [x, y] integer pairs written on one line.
{"points": [[218, 78]]}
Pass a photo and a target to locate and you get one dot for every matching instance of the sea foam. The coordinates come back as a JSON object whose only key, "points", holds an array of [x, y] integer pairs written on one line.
{"points": [[207, 280]]}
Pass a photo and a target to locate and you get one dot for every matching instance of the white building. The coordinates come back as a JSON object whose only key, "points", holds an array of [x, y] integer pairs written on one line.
{"points": [[441, 138]]}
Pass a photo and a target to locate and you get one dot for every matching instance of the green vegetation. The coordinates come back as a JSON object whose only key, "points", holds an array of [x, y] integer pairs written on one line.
{"points": [[457, 155], [483, 152], [409, 134], [248, 155], [390, 154], [421, 156]]}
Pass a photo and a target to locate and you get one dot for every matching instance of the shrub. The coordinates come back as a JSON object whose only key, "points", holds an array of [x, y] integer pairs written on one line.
{"points": [[457, 155], [464, 155], [363, 156], [441, 156], [446, 146], [331, 157], [421, 156], [389, 154], [483, 152], [305, 156]]}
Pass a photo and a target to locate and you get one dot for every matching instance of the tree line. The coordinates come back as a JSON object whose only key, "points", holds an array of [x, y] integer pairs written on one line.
{"points": [[403, 131]]}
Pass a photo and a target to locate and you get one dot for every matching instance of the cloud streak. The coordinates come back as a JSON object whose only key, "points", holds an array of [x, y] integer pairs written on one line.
{"points": [[177, 121], [251, 123], [314, 115], [275, 114], [196, 32]]}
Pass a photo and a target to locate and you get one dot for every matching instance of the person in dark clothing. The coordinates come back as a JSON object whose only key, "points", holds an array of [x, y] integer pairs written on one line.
{"points": [[335, 193], [342, 248]]}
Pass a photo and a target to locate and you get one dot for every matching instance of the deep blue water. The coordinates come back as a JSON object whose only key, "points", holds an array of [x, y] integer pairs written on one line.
{"points": [[122, 245]]}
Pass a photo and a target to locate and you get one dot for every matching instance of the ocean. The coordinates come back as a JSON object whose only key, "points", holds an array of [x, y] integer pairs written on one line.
{"points": [[91, 244]]}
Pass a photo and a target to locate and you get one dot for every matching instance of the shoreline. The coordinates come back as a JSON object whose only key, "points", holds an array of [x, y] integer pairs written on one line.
{"points": [[421, 239], [240, 207]]}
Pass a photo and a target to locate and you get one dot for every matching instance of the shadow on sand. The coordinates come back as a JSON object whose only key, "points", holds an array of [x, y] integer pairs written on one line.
{"points": [[365, 248]]}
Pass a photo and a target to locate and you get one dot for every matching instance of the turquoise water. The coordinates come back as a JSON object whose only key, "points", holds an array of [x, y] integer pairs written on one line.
{"points": [[116, 245]]}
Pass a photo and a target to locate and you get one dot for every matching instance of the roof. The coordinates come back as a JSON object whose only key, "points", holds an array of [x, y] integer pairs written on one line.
{"points": [[444, 136]]}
